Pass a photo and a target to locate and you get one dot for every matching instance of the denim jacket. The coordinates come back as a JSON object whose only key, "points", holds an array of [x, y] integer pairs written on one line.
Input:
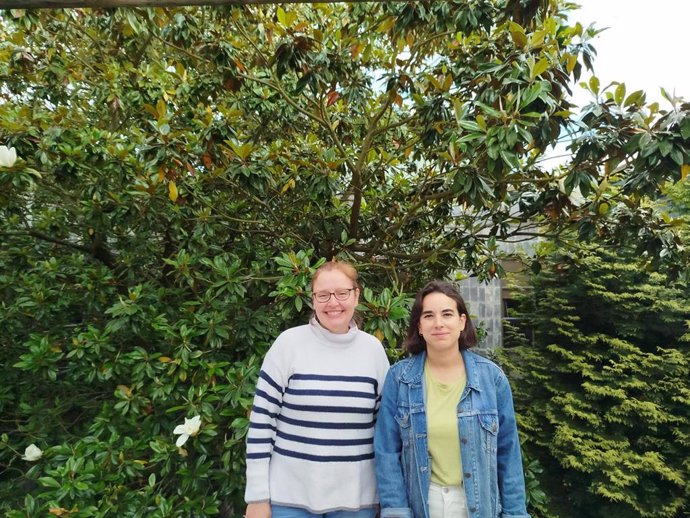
{"points": [[489, 446]]}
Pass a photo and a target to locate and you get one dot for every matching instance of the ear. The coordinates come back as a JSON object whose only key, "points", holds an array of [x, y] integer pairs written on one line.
{"points": [[463, 321]]}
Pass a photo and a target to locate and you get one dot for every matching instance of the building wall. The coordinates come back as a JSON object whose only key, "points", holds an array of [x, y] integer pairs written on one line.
{"points": [[487, 302], [486, 309]]}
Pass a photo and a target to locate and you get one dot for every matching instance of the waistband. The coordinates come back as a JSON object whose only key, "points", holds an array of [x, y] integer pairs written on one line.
{"points": [[446, 490]]}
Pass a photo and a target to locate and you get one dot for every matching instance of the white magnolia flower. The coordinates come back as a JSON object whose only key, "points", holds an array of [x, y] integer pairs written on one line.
{"points": [[32, 453], [8, 156], [189, 429]]}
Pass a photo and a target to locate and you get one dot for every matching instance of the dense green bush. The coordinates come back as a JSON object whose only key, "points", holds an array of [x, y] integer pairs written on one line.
{"points": [[602, 386], [98, 380]]}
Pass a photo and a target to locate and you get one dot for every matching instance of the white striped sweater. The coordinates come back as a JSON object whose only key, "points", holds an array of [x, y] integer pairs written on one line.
{"points": [[310, 440]]}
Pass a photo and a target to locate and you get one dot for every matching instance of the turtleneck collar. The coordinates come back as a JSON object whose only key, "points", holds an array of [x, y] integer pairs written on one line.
{"points": [[333, 339]]}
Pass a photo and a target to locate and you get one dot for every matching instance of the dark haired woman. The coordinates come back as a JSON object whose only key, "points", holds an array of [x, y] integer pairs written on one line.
{"points": [[446, 441]]}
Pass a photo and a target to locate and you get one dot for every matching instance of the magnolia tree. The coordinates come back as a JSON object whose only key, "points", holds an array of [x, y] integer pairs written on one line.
{"points": [[180, 172]]}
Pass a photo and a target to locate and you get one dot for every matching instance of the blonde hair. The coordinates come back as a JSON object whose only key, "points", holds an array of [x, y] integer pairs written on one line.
{"points": [[340, 266]]}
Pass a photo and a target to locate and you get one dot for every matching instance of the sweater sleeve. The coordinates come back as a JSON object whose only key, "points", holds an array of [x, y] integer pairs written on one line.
{"points": [[268, 400], [381, 371]]}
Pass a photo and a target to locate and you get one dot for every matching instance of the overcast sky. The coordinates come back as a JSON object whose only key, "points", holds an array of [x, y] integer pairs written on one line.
{"points": [[645, 45]]}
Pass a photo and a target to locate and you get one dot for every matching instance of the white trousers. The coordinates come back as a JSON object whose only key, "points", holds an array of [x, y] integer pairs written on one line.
{"points": [[447, 502]]}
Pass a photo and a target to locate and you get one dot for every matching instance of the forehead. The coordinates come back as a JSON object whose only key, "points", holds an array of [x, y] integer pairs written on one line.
{"points": [[438, 302], [332, 279]]}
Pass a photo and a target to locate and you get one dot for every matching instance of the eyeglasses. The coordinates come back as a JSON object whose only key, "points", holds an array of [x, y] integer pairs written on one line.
{"points": [[340, 294]]}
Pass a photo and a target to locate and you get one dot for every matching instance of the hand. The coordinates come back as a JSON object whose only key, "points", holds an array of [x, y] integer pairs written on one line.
{"points": [[258, 510]]}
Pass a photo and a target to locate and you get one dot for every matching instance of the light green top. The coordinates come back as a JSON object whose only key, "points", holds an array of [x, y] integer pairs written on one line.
{"points": [[442, 429]]}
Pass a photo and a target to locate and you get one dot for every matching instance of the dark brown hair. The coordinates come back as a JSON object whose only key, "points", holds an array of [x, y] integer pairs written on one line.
{"points": [[414, 342]]}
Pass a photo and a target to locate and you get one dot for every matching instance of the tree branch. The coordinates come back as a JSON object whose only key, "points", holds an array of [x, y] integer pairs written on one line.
{"points": [[50, 239], [97, 251], [100, 4]]}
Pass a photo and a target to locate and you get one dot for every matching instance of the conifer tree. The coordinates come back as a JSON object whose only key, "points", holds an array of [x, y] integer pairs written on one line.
{"points": [[602, 391]]}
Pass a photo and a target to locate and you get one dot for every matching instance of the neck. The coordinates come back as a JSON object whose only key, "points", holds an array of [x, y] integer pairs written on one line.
{"points": [[446, 367], [335, 330], [445, 360]]}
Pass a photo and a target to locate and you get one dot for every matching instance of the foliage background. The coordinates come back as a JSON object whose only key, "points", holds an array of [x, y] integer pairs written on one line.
{"points": [[183, 170], [601, 385], [597, 347]]}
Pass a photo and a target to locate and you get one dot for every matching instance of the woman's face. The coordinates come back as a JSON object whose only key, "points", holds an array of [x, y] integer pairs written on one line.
{"points": [[440, 323], [335, 315]]}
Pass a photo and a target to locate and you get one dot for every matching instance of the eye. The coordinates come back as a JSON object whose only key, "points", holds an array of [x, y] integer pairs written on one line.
{"points": [[322, 296], [342, 293]]}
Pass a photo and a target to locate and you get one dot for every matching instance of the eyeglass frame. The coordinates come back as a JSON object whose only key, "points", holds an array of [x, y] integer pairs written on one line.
{"points": [[332, 294]]}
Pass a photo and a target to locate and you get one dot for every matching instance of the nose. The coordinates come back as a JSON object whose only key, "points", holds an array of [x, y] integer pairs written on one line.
{"points": [[332, 302]]}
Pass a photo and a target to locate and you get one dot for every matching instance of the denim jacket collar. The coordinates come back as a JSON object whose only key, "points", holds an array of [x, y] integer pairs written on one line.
{"points": [[414, 370]]}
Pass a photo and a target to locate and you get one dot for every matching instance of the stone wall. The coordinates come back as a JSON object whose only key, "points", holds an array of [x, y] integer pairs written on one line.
{"points": [[486, 309]]}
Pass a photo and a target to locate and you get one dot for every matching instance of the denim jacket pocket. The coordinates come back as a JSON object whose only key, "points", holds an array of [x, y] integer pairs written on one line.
{"points": [[489, 426]]}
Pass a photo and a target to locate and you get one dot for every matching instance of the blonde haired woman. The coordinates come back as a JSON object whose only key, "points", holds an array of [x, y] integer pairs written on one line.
{"points": [[310, 442]]}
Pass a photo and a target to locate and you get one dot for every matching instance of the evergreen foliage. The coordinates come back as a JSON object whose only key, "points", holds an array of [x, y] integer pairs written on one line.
{"points": [[603, 386]]}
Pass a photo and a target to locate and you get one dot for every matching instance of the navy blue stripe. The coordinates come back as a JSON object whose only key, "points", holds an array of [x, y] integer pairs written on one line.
{"points": [[324, 377], [335, 426], [261, 426], [270, 381], [260, 410], [324, 458], [325, 442], [266, 455], [340, 393], [329, 409], [268, 398], [266, 440]]}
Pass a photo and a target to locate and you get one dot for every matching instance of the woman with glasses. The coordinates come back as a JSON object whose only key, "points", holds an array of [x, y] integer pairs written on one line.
{"points": [[310, 441], [446, 439]]}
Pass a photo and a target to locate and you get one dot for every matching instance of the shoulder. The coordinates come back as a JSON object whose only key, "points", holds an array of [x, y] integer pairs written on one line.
{"points": [[290, 339], [395, 375], [485, 367], [402, 366], [480, 361], [371, 347], [368, 340], [294, 332]]}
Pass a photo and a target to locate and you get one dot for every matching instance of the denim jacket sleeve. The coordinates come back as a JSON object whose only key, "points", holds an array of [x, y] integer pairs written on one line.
{"points": [[511, 481], [388, 449]]}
